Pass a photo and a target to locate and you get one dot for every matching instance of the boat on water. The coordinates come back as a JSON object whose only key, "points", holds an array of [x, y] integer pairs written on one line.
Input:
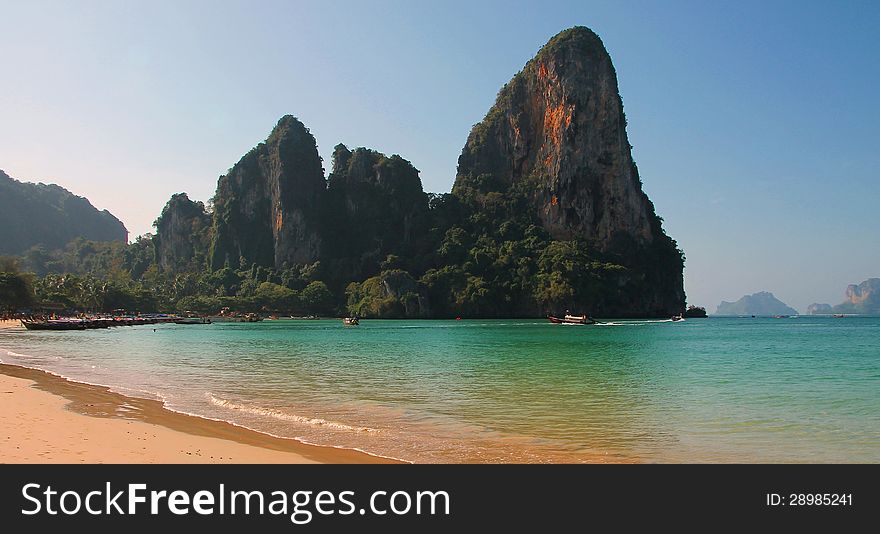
{"points": [[676, 318], [571, 319], [192, 320], [228, 316], [72, 324], [839, 316], [351, 321], [91, 323]]}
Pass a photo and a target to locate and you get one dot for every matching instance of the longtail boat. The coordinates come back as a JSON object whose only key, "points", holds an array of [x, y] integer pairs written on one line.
{"points": [[571, 319]]}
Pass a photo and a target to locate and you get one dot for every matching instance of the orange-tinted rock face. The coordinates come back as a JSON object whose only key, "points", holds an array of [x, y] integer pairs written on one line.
{"points": [[862, 293], [559, 123], [554, 150]]}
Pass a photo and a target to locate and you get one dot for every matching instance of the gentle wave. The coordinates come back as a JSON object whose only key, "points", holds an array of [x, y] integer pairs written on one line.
{"points": [[122, 390], [278, 414], [18, 355], [280, 436]]}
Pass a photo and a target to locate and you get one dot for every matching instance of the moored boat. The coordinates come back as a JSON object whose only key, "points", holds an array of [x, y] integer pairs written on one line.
{"points": [[55, 324], [91, 322], [228, 316], [192, 320]]}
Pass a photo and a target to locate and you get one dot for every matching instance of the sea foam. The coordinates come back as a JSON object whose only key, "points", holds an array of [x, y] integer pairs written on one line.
{"points": [[284, 416]]}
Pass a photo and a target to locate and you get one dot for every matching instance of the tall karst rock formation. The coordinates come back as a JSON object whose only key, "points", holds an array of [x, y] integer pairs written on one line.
{"points": [[182, 235], [266, 206], [557, 136], [375, 206], [547, 211]]}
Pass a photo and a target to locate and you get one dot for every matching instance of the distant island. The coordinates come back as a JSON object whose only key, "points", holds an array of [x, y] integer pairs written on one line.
{"points": [[819, 309], [761, 303], [547, 213]]}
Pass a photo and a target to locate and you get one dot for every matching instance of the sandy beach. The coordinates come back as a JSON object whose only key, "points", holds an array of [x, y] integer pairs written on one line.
{"points": [[48, 419]]}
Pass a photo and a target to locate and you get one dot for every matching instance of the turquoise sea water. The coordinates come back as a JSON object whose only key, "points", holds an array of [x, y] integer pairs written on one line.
{"points": [[801, 389]]}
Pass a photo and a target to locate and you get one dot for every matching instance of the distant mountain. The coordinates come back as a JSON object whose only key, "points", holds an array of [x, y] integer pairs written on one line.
{"points": [[762, 303], [862, 299], [49, 215], [818, 309]]}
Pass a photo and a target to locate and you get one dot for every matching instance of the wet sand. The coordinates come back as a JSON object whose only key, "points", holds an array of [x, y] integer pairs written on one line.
{"points": [[48, 419]]}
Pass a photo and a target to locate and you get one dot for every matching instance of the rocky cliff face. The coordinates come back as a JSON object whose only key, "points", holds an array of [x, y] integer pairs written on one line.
{"points": [[375, 206], [546, 214], [182, 234], [266, 206], [864, 292], [556, 137], [49, 215], [863, 298], [559, 125]]}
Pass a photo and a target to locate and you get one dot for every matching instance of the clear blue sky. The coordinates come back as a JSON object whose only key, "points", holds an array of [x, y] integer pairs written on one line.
{"points": [[755, 124]]}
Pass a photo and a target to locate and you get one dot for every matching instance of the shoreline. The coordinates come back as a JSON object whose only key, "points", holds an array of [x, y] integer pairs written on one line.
{"points": [[45, 418]]}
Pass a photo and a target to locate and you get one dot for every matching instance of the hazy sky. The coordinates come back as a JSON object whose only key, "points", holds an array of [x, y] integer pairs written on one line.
{"points": [[755, 124]]}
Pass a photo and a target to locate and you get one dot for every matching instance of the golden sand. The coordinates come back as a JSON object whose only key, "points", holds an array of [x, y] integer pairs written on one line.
{"points": [[48, 419]]}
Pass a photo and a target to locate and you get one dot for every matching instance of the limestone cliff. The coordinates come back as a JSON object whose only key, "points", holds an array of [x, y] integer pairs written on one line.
{"points": [[546, 214], [266, 206], [863, 298], [375, 206], [557, 137], [182, 235], [559, 125]]}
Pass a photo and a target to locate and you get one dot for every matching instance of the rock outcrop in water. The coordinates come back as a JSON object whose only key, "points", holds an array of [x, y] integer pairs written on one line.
{"points": [[761, 303], [51, 216], [266, 207]]}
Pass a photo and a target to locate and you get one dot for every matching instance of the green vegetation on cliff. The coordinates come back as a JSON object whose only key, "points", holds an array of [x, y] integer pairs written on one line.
{"points": [[546, 214]]}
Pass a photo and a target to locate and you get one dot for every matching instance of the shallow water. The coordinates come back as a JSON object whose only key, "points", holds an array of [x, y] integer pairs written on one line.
{"points": [[803, 389]]}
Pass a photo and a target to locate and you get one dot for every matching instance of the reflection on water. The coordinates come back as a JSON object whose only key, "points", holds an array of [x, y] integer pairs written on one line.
{"points": [[717, 390]]}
